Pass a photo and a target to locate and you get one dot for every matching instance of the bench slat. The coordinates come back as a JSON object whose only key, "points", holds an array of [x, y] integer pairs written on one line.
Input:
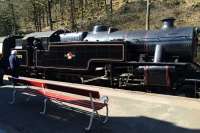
{"points": [[82, 92], [71, 100], [27, 82]]}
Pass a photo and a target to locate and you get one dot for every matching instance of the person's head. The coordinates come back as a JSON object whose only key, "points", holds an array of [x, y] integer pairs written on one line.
{"points": [[14, 52]]}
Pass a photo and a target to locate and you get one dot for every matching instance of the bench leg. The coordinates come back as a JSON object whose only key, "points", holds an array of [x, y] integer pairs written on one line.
{"points": [[99, 117], [28, 98], [13, 95], [44, 107], [91, 120], [105, 100], [92, 113], [106, 119]]}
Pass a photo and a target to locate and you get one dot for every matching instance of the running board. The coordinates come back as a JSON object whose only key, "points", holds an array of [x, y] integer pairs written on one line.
{"points": [[93, 79]]}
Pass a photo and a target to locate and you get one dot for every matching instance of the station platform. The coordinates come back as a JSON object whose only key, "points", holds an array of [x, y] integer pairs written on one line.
{"points": [[129, 111]]}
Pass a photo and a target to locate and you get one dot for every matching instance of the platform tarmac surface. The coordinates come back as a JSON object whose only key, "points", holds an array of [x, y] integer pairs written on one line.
{"points": [[130, 112]]}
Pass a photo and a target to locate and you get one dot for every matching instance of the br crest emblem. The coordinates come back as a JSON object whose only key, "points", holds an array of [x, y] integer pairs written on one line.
{"points": [[69, 55]]}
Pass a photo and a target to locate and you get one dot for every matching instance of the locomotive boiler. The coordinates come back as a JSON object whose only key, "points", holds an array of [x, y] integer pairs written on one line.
{"points": [[160, 58]]}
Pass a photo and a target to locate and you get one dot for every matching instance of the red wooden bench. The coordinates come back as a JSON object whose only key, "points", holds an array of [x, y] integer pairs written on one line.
{"points": [[95, 102]]}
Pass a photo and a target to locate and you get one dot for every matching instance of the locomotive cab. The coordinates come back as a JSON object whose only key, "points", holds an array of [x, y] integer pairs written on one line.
{"points": [[35, 43]]}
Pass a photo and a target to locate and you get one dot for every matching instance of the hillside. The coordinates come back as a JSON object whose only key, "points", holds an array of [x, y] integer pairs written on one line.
{"points": [[131, 15], [32, 15]]}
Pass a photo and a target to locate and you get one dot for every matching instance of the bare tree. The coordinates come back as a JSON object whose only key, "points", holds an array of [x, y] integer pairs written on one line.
{"points": [[111, 10], [49, 13], [82, 12], [72, 16], [62, 11], [11, 7]]}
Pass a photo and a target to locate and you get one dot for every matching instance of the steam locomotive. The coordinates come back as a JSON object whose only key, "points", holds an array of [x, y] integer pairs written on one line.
{"points": [[153, 59]]}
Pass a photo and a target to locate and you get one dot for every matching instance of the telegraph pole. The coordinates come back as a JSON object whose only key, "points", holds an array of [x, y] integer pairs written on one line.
{"points": [[148, 15]]}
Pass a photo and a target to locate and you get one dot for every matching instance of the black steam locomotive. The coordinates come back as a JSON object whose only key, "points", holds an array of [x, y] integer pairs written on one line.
{"points": [[153, 59]]}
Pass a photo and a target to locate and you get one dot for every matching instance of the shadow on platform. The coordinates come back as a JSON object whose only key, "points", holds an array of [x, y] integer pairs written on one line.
{"points": [[25, 118]]}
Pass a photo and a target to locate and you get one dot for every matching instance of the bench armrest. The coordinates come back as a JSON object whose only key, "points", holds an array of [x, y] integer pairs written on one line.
{"points": [[104, 99]]}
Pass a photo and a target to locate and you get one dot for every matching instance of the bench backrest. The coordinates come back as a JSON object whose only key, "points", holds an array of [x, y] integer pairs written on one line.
{"points": [[27, 82], [36, 83], [73, 90], [61, 88]]}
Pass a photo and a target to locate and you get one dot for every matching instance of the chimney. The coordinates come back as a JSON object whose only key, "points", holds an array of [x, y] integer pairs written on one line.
{"points": [[168, 23]]}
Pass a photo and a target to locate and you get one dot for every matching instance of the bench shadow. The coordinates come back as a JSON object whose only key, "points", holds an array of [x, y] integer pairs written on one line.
{"points": [[25, 118], [130, 124]]}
